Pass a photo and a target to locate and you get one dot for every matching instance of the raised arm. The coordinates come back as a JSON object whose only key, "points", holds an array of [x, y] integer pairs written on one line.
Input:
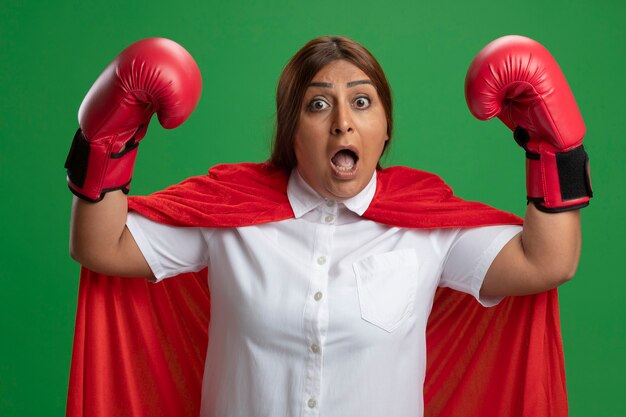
{"points": [[151, 76], [517, 80]]}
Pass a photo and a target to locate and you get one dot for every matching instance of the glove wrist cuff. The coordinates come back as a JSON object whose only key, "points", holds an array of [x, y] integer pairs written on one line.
{"points": [[558, 181], [93, 169]]}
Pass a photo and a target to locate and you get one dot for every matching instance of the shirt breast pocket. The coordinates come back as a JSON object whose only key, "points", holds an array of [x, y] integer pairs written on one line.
{"points": [[387, 286]]}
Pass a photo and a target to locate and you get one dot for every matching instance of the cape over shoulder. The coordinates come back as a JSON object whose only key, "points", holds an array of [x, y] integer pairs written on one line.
{"points": [[229, 195], [243, 194]]}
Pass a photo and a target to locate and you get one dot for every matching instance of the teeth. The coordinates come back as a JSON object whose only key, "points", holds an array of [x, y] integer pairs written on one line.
{"points": [[344, 168], [344, 160]]}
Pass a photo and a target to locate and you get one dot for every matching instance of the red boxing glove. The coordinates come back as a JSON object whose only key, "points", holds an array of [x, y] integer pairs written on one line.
{"points": [[516, 79], [152, 75]]}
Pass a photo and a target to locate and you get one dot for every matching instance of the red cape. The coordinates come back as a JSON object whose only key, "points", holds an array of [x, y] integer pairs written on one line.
{"points": [[139, 348]]}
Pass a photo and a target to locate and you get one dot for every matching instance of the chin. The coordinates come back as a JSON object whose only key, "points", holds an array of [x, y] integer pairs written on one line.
{"points": [[344, 191]]}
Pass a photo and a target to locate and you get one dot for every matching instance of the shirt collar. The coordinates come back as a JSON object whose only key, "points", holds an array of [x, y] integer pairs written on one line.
{"points": [[303, 198]]}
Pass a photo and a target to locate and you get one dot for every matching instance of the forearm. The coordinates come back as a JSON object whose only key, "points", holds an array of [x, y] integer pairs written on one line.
{"points": [[551, 243], [97, 227], [100, 240], [543, 256]]}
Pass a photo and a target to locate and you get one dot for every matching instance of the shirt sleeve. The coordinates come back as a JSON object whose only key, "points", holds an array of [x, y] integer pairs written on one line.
{"points": [[470, 255], [169, 250]]}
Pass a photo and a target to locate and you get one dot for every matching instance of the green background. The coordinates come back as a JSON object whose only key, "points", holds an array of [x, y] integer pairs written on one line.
{"points": [[52, 52]]}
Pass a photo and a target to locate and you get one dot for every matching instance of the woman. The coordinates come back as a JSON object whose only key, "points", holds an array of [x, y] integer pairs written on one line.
{"points": [[317, 309]]}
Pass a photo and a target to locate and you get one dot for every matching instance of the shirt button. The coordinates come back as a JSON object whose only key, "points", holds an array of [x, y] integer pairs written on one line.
{"points": [[329, 218], [321, 260], [315, 348], [311, 403], [330, 203], [318, 296]]}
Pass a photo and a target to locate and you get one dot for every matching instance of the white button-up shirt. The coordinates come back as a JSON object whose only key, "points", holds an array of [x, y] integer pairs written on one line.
{"points": [[323, 314]]}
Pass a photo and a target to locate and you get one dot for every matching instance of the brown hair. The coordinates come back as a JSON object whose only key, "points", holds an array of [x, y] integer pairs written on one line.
{"points": [[296, 77]]}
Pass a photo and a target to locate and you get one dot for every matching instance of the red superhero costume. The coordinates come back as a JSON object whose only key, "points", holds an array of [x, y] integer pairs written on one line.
{"points": [[139, 348]]}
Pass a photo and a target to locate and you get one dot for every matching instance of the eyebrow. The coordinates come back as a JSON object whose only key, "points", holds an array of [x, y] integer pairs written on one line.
{"points": [[330, 85], [358, 82]]}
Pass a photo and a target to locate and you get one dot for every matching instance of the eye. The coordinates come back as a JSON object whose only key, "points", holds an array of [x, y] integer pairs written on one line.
{"points": [[317, 105], [362, 102]]}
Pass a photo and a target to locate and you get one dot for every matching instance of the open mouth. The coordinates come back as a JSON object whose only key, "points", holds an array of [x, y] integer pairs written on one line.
{"points": [[345, 160]]}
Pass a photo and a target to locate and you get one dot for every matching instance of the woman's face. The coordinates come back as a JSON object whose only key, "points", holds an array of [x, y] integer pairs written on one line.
{"points": [[341, 131]]}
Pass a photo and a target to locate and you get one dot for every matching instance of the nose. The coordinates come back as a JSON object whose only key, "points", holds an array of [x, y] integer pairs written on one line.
{"points": [[342, 120]]}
